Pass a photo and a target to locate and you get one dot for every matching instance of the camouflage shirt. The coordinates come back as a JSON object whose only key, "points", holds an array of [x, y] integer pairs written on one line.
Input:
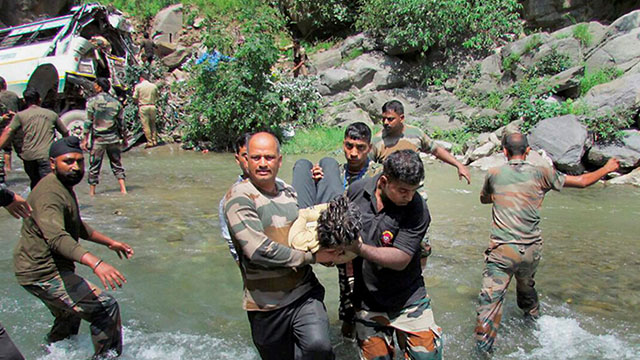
{"points": [[517, 190], [274, 274], [411, 138], [104, 118]]}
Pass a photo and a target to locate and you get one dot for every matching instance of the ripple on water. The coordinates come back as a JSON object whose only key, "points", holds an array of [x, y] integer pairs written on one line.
{"points": [[140, 345], [564, 338]]}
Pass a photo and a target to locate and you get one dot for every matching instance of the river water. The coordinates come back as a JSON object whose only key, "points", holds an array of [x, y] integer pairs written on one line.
{"points": [[183, 296]]}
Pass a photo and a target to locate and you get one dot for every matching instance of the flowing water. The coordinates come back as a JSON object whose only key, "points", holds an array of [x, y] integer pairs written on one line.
{"points": [[183, 295]]}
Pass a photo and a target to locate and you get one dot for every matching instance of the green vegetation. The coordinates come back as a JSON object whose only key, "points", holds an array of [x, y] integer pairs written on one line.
{"points": [[601, 76], [581, 33], [551, 64], [314, 139], [457, 137], [146, 9], [473, 24], [352, 55]]}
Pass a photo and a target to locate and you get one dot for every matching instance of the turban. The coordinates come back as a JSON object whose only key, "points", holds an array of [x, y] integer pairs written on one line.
{"points": [[69, 144]]}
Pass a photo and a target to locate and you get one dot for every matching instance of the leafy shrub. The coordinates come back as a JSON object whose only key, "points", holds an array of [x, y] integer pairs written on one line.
{"points": [[474, 24], [323, 15], [581, 33], [608, 128], [531, 103], [551, 64], [602, 76], [301, 99], [457, 137], [509, 63]]}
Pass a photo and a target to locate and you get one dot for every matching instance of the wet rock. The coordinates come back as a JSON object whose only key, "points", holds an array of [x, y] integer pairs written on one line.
{"points": [[627, 151], [167, 24], [565, 139], [632, 178]]}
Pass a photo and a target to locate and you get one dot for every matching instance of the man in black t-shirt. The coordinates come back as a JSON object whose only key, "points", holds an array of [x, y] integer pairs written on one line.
{"points": [[390, 295]]}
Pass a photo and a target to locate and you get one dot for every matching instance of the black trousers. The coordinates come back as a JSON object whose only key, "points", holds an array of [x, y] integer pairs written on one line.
{"points": [[36, 169], [311, 192], [298, 331], [8, 350]]}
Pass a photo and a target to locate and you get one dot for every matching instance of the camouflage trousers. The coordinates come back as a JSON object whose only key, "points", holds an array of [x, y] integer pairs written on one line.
{"points": [[70, 298], [502, 262], [417, 333], [97, 154], [147, 115]]}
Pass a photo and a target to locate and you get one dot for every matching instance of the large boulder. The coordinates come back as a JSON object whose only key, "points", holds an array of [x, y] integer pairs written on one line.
{"points": [[324, 60], [336, 80], [177, 58], [564, 139], [354, 115], [627, 151], [595, 29], [617, 94], [567, 82], [622, 52], [167, 24], [567, 46]]}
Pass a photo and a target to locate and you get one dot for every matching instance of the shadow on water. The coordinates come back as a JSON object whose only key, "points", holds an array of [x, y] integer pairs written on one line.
{"points": [[183, 295]]}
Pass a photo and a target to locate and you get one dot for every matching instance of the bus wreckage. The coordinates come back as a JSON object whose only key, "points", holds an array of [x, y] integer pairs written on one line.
{"points": [[60, 57]]}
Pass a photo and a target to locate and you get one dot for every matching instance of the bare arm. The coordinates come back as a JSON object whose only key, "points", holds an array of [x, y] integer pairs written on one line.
{"points": [[446, 156], [389, 257], [584, 180], [6, 136]]}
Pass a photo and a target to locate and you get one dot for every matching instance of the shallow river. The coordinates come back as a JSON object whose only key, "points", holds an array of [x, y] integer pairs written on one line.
{"points": [[183, 296]]}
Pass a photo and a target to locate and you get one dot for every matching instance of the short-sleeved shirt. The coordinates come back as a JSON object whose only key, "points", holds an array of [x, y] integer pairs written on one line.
{"points": [[274, 274], [411, 138], [517, 190], [104, 117], [403, 227], [37, 125], [49, 237]]}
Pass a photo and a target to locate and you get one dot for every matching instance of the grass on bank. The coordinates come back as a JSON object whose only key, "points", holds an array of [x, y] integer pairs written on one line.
{"points": [[314, 139], [149, 8]]}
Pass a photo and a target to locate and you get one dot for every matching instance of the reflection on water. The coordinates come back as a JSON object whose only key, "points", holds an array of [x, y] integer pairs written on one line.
{"points": [[183, 296]]}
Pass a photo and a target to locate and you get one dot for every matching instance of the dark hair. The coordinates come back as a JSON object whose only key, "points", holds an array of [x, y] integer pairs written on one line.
{"points": [[358, 131], [241, 141], [339, 224], [145, 75], [104, 84], [3, 83], [515, 143], [31, 96], [405, 166], [393, 105], [145, 35]]}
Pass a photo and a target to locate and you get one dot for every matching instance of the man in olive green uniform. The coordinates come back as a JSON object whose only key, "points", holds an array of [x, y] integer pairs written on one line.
{"points": [[516, 191], [48, 248], [106, 126], [397, 135], [11, 104], [38, 126], [282, 295], [145, 94]]}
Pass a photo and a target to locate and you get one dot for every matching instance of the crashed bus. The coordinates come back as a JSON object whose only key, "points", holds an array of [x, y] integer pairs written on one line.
{"points": [[60, 57]]}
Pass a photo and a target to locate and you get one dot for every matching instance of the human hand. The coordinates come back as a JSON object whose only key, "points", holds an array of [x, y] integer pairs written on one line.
{"points": [[463, 172], [122, 249], [316, 173], [109, 275], [19, 208], [612, 164]]}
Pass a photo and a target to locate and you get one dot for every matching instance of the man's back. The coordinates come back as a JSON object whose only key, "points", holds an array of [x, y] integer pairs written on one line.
{"points": [[37, 125], [103, 111], [517, 189], [146, 93]]}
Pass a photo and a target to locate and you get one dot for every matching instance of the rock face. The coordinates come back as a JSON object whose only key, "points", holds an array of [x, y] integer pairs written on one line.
{"points": [[559, 13], [167, 24], [564, 139], [628, 152], [18, 12], [632, 178], [620, 93]]}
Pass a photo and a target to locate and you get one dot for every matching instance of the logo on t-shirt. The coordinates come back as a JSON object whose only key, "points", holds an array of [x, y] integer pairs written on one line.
{"points": [[387, 238]]}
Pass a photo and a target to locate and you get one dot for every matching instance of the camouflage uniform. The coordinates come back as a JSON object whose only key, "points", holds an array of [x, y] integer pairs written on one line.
{"points": [[146, 94], [104, 121], [516, 190], [411, 138], [279, 283]]}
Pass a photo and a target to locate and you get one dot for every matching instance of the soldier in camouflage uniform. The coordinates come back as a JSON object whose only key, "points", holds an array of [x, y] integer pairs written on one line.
{"points": [[282, 295], [106, 127], [45, 256], [516, 191], [397, 135]]}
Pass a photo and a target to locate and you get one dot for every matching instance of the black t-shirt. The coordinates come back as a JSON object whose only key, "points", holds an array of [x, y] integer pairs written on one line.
{"points": [[378, 288]]}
